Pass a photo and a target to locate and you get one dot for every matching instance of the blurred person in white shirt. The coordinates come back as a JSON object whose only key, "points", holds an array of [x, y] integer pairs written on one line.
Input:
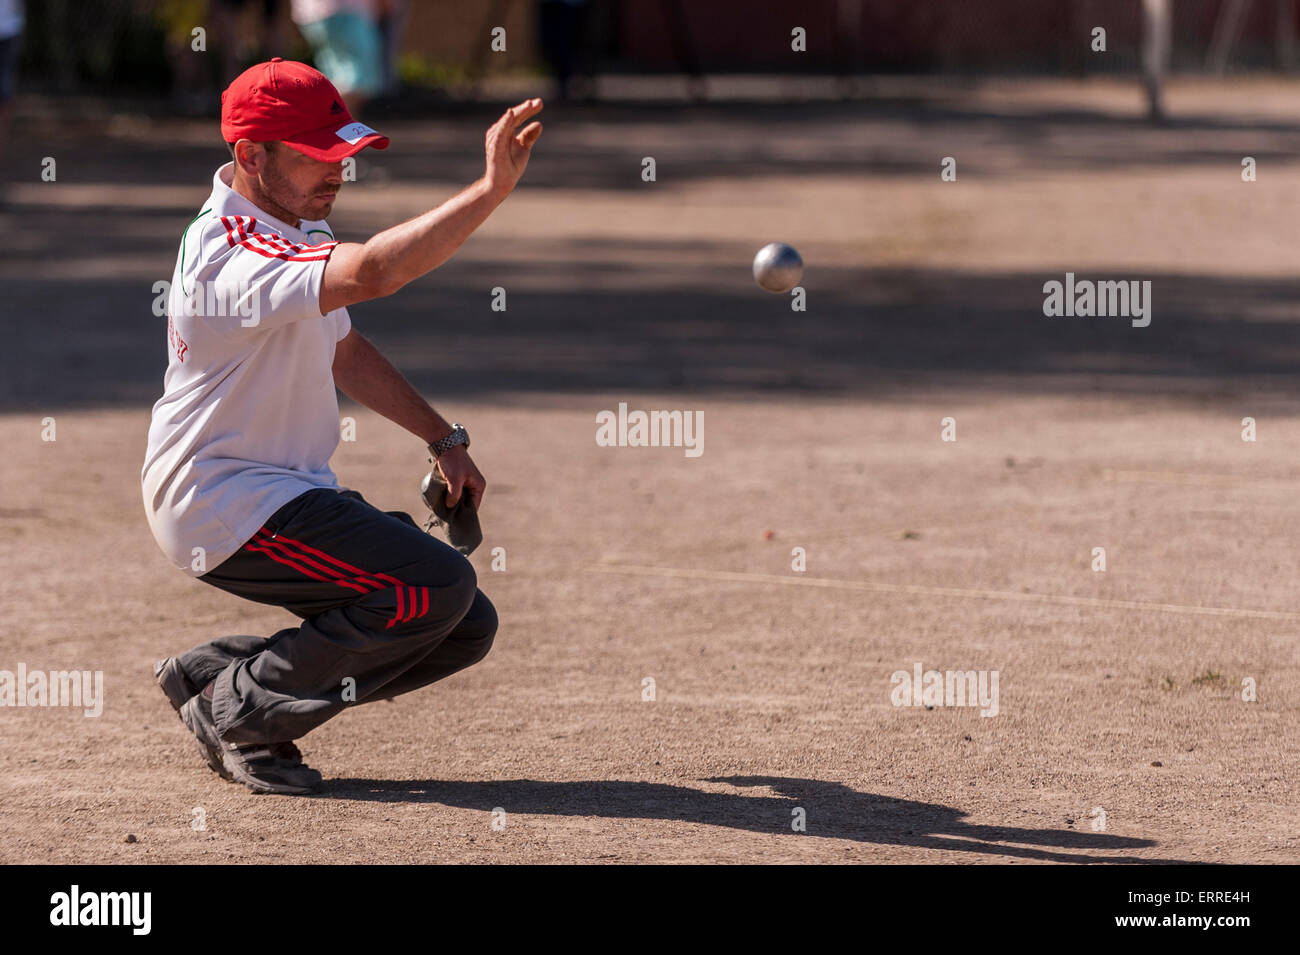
{"points": [[347, 46]]}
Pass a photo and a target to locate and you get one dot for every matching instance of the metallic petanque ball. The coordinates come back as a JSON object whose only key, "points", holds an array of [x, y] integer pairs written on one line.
{"points": [[777, 267]]}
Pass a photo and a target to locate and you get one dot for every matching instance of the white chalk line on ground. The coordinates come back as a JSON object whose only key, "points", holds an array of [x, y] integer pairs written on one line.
{"points": [[829, 583], [1196, 479]]}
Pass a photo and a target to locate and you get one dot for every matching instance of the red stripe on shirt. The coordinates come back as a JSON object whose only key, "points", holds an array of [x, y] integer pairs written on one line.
{"points": [[264, 243]]}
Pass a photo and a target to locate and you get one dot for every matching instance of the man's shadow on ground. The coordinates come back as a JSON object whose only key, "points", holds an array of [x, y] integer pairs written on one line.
{"points": [[832, 810]]}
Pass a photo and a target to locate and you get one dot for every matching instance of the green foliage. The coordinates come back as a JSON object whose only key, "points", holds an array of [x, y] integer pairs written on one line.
{"points": [[419, 71], [100, 46]]}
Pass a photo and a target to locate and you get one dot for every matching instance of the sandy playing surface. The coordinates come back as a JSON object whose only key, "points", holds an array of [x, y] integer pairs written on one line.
{"points": [[1120, 734]]}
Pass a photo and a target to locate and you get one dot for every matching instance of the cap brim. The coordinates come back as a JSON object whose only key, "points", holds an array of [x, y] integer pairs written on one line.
{"points": [[327, 145]]}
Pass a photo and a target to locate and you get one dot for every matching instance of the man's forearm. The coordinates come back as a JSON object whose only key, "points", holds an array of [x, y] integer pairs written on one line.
{"points": [[367, 377], [403, 253], [358, 272]]}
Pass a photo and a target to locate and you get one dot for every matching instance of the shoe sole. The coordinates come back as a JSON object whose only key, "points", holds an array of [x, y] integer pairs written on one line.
{"points": [[263, 788]]}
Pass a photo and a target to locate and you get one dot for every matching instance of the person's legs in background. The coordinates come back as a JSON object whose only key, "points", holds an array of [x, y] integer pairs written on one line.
{"points": [[561, 24], [9, 47], [239, 48], [347, 49], [392, 24]]}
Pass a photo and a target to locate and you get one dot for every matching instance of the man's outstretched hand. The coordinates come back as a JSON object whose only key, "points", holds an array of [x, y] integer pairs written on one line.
{"points": [[507, 150]]}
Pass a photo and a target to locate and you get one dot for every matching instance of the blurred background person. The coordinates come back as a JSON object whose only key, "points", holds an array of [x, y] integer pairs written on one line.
{"points": [[561, 25], [240, 49], [193, 92], [233, 36], [345, 40], [392, 23], [11, 31]]}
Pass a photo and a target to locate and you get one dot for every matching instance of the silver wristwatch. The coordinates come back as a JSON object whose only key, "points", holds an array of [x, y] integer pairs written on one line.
{"points": [[457, 437]]}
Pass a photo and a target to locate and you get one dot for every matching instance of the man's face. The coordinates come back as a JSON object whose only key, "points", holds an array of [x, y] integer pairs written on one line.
{"points": [[299, 184]]}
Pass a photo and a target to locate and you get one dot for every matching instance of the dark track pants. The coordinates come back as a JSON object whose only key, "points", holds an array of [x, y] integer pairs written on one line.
{"points": [[382, 602]]}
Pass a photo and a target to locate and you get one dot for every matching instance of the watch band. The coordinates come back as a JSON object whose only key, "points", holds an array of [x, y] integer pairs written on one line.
{"points": [[457, 437]]}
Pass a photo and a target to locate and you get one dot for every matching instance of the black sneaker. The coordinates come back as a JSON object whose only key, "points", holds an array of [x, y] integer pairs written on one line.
{"points": [[264, 768], [174, 682], [259, 766], [209, 743], [288, 754], [179, 688]]}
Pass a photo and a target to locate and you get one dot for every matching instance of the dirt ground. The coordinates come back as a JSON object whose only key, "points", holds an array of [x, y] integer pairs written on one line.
{"points": [[1121, 734]]}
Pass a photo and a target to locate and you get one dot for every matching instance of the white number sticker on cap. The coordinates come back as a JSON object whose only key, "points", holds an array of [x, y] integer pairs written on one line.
{"points": [[353, 133]]}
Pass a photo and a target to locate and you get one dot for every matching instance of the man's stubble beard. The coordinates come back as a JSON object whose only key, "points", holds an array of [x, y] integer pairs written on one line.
{"points": [[276, 188]]}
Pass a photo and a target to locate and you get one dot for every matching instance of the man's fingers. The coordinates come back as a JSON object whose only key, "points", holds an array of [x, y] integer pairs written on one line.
{"points": [[454, 484], [468, 489], [500, 133], [517, 114], [529, 135], [529, 107]]}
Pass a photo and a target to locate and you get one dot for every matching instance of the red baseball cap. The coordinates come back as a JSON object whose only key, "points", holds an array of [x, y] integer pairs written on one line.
{"points": [[292, 103]]}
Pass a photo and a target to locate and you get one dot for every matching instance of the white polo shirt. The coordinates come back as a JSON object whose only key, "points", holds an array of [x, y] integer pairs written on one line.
{"points": [[249, 416]]}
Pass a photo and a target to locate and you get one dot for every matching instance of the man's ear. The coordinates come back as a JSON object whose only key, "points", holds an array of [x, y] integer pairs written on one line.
{"points": [[249, 156]]}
